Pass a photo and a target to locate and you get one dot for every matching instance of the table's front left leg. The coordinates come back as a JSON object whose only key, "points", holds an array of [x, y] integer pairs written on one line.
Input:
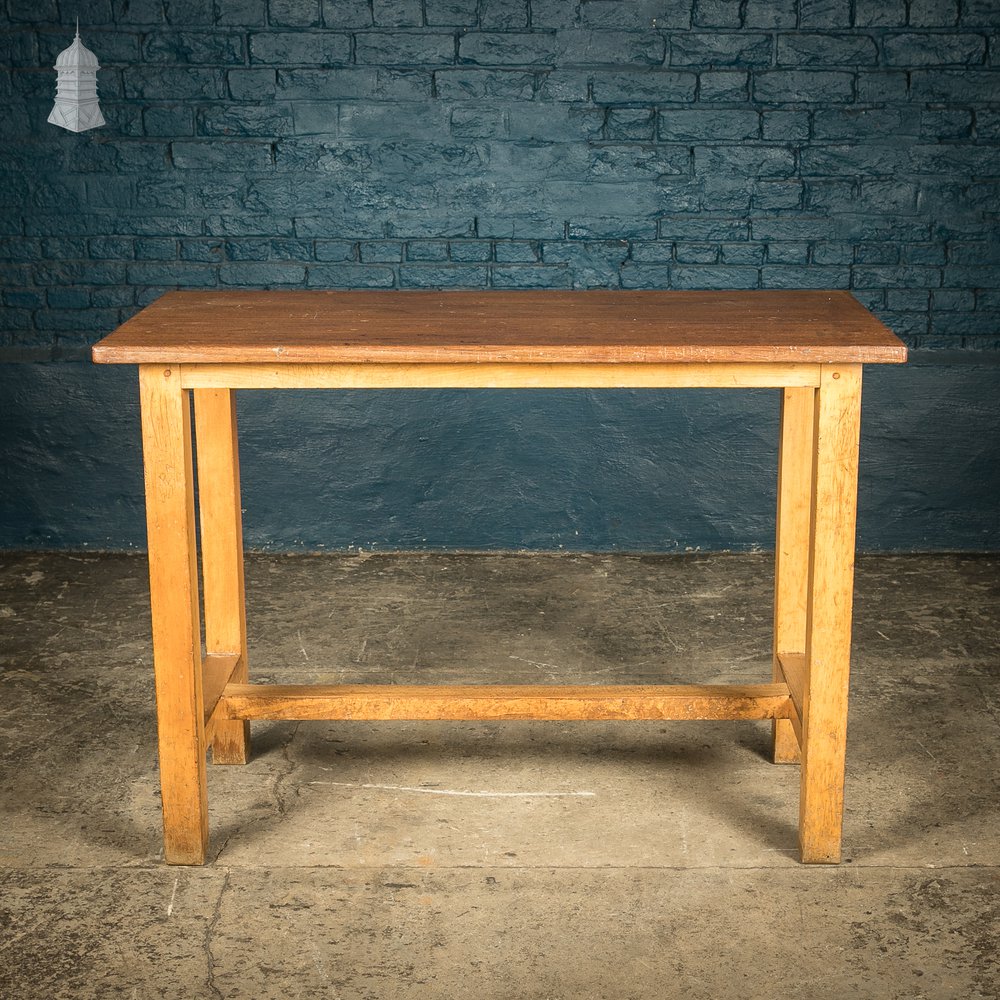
{"points": [[828, 613], [173, 593], [222, 552]]}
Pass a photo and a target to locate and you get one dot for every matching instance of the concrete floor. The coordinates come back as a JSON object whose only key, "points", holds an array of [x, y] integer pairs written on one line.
{"points": [[523, 860]]}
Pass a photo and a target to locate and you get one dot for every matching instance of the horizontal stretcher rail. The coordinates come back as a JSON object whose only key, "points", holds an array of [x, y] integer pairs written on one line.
{"points": [[374, 702], [497, 375]]}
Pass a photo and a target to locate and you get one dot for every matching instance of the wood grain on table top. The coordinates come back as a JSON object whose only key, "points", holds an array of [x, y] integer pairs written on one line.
{"points": [[501, 326]]}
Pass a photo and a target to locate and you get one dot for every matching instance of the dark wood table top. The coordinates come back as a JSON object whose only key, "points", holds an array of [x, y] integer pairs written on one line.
{"points": [[789, 327]]}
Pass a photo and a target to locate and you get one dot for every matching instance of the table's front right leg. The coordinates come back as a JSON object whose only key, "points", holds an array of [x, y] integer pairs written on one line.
{"points": [[173, 592]]}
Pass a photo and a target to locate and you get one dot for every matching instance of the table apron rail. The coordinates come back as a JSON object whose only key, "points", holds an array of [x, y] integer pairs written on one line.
{"points": [[497, 375], [379, 702]]}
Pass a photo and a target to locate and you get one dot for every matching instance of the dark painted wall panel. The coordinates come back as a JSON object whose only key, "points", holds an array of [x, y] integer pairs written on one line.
{"points": [[632, 470]]}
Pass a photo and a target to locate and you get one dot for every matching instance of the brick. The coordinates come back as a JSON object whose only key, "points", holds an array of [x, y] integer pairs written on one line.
{"points": [[503, 15], [716, 49], [381, 84], [459, 13], [335, 250], [879, 13], [477, 84], [944, 125], [342, 14], [803, 87], [902, 276], [853, 124], [507, 49], [555, 122], [611, 48], [933, 13], [631, 162], [168, 120], [173, 83], [592, 264], [530, 276], [974, 252], [811, 276], [443, 276], [248, 224], [696, 253], [719, 276], [824, 14], [711, 124], [131, 11], [980, 13], [240, 13], [924, 49], [744, 161], [774, 195], [614, 227], [784, 126], [205, 251], [187, 12], [401, 48], [251, 84], [314, 118], [773, 14], [876, 253], [515, 252], [876, 87], [636, 124], [788, 253], [381, 252], [245, 120], [826, 50], [214, 48], [427, 250], [922, 253], [153, 248], [268, 249], [652, 252], [955, 300], [634, 16], [657, 86], [694, 227], [852, 160], [294, 13], [716, 14], [478, 123], [299, 48], [262, 274], [392, 121], [397, 13], [23, 299], [727, 86], [33, 10], [907, 299], [562, 85], [68, 298], [106, 298], [206, 155], [102, 320], [555, 13], [177, 274], [470, 251], [742, 253]]}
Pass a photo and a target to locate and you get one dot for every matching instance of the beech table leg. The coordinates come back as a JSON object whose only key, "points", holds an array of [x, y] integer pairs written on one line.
{"points": [[173, 593], [791, 548], [836, 430], [222, 552]]}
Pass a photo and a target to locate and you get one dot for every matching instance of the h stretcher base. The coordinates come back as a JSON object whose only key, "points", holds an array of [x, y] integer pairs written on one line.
{"points": [[808, 345]]}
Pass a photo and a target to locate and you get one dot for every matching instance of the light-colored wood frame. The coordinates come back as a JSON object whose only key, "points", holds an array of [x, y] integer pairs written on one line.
{"points": [[206, 701]]}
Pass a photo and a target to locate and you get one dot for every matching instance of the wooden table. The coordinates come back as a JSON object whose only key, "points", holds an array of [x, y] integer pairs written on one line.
{"points": [[810, 344]]}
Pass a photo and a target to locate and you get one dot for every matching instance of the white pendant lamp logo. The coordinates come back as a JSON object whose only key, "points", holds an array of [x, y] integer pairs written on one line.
{"points": [[76, 106]]}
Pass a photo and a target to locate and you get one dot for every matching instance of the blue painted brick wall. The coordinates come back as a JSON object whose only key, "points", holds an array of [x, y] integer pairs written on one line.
{"points": [[504, 144]]}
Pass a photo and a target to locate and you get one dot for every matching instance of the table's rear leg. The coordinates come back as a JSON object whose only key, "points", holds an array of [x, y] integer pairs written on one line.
{"points": [[791, 548], [828, 626], [222, 552], [173, 592]]}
